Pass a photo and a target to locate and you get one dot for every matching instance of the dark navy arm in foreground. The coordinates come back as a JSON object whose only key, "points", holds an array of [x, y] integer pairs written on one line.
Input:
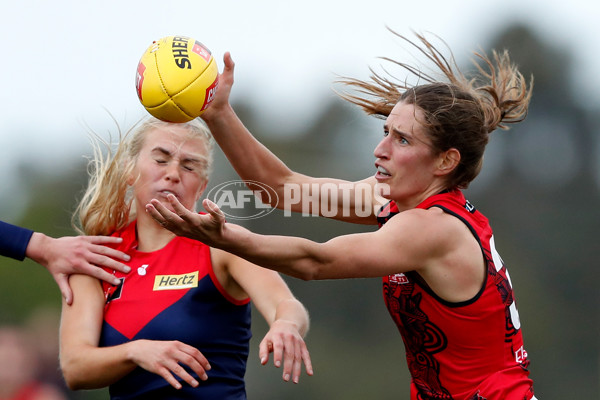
{"points": [[14, 240]]}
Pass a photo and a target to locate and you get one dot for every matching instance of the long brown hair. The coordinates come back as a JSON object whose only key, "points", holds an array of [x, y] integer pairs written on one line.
{"points": [[460, 111]]}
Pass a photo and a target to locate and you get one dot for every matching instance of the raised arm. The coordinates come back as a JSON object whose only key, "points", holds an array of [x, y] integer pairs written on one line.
{"points": [[87, 366], [338, 199]]}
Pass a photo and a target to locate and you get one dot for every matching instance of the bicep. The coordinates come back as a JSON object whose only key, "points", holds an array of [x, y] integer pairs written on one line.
{"points": [[81, 321], [409, 241]]}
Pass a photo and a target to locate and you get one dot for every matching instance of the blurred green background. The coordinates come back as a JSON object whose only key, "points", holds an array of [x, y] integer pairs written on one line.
{"points": [[540, 187]]}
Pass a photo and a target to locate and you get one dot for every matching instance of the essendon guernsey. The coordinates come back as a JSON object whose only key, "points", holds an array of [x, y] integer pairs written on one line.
{"points": [[471, 350]]}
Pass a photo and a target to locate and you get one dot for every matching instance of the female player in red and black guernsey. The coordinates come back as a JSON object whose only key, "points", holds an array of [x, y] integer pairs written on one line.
{"points": [[444, 283], [178, 325]]}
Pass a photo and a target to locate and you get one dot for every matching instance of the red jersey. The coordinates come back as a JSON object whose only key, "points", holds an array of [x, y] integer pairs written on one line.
{"points": [[472, 350]]}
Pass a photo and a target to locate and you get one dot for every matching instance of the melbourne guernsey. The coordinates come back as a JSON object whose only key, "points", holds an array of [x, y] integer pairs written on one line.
{"points": [[173, 294]]}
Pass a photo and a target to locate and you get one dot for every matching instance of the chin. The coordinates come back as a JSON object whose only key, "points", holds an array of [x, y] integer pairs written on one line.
{"points": [[383, 190]]}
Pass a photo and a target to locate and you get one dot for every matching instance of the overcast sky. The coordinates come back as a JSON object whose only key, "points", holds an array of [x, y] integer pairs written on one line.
{"points": [[70, 62]]}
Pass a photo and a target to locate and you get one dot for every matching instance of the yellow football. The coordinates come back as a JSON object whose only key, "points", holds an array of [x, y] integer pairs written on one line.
{"points": [[176, 78]]}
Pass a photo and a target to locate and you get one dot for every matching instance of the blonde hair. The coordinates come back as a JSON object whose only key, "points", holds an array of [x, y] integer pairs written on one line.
{"points": [[459, 111], [107, 204]]}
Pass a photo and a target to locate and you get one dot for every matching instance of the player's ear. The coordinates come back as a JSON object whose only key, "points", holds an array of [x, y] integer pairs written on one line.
{"points": [[448, 161]]}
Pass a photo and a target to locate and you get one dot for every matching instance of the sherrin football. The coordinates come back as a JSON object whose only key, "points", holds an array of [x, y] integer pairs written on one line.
{"points": [[176, 78]]}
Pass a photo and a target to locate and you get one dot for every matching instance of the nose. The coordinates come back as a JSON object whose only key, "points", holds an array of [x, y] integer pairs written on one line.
{"points": [[172, 172], [381, 150]]}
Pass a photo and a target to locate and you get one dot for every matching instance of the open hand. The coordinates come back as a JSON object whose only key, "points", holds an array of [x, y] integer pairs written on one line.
{"points": [[76, 255], [287, 345], [221, 99], [207, 228], [165, 358]]}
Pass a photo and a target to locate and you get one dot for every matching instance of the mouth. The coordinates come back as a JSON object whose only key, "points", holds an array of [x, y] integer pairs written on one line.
{"points": [[164, 193], [382, 173]]}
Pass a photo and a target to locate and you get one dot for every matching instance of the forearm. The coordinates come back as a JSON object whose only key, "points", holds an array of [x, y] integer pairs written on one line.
{"points": [[293, 256], [96, 367], [90, 367], [250, 158]]}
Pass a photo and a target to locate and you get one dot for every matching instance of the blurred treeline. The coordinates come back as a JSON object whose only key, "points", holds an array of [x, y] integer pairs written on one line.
{"points": [[540, 187]]}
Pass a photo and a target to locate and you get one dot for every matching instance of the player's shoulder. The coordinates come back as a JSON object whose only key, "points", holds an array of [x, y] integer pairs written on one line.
{"points": [[419, 216], [432, 224]]}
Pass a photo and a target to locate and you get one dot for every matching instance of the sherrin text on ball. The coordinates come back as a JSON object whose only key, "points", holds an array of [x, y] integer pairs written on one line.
{"points": [[176, 78]]}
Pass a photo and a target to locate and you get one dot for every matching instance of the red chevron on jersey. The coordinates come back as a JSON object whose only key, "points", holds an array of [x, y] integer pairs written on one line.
{"points": [[165, 276]]}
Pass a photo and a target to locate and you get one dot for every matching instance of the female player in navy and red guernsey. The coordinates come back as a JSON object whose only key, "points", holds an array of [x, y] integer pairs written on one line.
{"points": [[445, 285], [178, 325]]}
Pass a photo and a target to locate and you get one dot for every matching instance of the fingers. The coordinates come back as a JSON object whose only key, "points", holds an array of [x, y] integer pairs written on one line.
{"points": [[292, 351], [214, 210], [102, 239], [98, 243], [192, 358], [264, 349], [101, 274], [156, 209], [105, 257], [63, 284], [292, 361], [166, 217], [180, 210], [174, 361], [307, 362], [228, 61]]}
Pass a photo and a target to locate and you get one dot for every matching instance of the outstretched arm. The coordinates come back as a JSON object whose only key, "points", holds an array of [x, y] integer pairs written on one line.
{"points": [[87, 366], [352, 201], [373, 254]]}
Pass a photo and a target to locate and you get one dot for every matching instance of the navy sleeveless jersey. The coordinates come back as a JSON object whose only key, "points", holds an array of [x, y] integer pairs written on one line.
{"points": [[173, 294], [469, 350]]}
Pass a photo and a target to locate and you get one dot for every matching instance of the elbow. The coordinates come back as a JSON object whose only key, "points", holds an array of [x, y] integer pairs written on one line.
{"points": [[309, 273], [71, 380], [73, 375], [70, 376]]}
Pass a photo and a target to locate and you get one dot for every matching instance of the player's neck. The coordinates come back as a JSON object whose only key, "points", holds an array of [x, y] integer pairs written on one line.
{"points": [[150, 235]]}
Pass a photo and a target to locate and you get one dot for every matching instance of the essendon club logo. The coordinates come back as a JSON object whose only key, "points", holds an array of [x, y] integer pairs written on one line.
{"points": [[399, 279]]}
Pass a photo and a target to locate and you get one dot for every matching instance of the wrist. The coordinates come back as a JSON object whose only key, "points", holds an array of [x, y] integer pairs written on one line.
{"points": [[36, 247], [215, 115], [130, 351]]}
